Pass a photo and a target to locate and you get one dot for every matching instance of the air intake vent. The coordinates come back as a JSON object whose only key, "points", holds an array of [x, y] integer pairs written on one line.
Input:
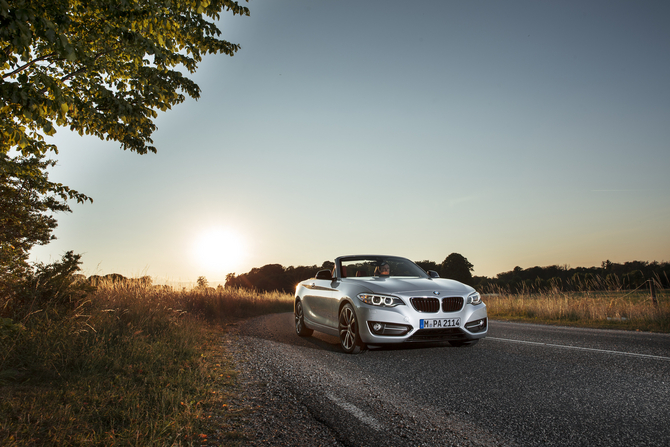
{"points": [[431, 335], [426, 304], [452, 304]]}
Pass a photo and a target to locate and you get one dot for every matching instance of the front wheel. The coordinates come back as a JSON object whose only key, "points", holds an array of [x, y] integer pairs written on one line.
{"points": [[350, 338], [300, 327]]}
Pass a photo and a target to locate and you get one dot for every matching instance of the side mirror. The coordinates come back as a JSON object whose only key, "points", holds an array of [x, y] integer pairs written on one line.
{"points": [[324, 274], [433, 274]]}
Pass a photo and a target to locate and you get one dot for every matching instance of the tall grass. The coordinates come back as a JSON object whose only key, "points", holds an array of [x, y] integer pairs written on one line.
{"points": [[223, 304], [614, 309], [124, 365]]}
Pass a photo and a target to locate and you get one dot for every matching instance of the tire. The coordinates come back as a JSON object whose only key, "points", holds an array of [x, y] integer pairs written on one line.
{"points": [[350, 338], [300, 327], [463, 343]]}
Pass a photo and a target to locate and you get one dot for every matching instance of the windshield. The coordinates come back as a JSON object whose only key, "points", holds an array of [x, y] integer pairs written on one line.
{"points": [[379, 266]]}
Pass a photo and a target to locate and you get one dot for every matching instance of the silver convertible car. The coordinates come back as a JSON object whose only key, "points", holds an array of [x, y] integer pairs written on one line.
{"points": [[375, 300]]}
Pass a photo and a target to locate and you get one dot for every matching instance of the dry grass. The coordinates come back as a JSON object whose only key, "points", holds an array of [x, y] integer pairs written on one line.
{"points": [[125, 365], [605, 309]]}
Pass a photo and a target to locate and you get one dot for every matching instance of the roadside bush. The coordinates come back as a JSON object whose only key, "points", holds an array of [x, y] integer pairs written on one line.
{"points": [[46, 287]]}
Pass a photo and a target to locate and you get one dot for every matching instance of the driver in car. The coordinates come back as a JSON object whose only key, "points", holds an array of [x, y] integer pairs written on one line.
{"points": [[383, 270]]}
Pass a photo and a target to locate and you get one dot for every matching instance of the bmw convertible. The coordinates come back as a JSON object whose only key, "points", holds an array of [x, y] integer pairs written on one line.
{"points": [[376, 300]]}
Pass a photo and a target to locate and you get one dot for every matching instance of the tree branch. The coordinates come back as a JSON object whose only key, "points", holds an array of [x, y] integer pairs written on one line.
{"points": [[83, 69], [23, 67], [69, 76]]}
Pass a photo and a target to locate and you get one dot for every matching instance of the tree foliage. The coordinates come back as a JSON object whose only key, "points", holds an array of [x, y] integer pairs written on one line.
{"points": [[273, 277], [202, 282], [456, 266], [428, 265], [56, 286], [609, 276], [100, 67], [27, 198], [96, 67]]}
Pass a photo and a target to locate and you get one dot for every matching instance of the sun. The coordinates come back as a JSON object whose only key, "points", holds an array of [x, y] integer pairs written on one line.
{"points": [[219, 250]]}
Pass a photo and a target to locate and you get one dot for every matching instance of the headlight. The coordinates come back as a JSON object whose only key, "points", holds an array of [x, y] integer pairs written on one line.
{"points": [[380, 300], [474, 298]]}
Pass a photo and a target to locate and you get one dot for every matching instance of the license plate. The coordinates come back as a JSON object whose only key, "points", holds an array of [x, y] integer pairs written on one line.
{"points": [[439, 323]]}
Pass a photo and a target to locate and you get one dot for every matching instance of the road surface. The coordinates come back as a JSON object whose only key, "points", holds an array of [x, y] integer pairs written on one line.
{"points": [[523, 385]]}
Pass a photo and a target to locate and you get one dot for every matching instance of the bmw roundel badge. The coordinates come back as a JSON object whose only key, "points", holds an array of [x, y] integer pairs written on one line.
{"points": [[436, 293]]}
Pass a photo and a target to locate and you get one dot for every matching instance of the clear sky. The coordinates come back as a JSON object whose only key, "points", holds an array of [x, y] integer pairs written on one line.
{"points": [[516, 133]]}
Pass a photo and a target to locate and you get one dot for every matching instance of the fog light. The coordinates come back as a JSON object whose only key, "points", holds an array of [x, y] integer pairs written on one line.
{"points": [[388, 329], [476, 326]]}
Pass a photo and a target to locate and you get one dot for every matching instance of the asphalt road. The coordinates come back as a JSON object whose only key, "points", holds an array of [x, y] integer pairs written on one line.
{"points": [[523, 385]]}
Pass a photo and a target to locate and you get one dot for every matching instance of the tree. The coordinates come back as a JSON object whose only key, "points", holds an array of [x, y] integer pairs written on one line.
{"points": [[428, 265], [26, 198], [457, 267], [100, 68], [202, 282]]}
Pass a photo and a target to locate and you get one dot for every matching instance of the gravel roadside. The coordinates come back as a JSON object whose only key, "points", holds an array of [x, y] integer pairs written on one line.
{"points": [[265, 409]]}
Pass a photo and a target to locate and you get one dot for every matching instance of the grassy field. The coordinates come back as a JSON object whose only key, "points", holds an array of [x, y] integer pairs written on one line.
{"points": [[133, 365], [597, 309], [124, 365]]}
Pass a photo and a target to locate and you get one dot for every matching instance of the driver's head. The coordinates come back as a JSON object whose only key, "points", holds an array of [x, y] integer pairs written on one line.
{"points": [[384, 269]]}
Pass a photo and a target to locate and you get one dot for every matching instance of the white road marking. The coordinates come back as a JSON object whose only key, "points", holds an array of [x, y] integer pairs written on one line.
{"points": [[579, 348], [356, 412]]}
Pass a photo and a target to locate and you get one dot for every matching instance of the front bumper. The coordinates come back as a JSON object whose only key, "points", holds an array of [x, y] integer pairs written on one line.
{"points": [[401, 324]]}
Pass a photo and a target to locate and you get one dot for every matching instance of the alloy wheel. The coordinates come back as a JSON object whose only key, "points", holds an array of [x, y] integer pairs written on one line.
{"points": [[300, 327], [348, 326]]}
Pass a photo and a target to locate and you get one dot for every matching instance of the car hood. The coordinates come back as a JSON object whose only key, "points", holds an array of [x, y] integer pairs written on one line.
{"points": [[417, 286]]}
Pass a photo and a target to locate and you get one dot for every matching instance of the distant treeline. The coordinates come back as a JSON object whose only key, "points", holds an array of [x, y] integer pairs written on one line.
{"points": [[609, 276], [276, 277], [115, 278], [273, 277]]}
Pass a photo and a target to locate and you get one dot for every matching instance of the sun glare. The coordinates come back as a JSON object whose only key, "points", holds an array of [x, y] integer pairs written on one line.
{"points": [[219, 250]]}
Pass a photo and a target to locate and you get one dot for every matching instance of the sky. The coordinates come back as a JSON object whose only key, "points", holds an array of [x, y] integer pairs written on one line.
{"points": [[516, 133]]}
